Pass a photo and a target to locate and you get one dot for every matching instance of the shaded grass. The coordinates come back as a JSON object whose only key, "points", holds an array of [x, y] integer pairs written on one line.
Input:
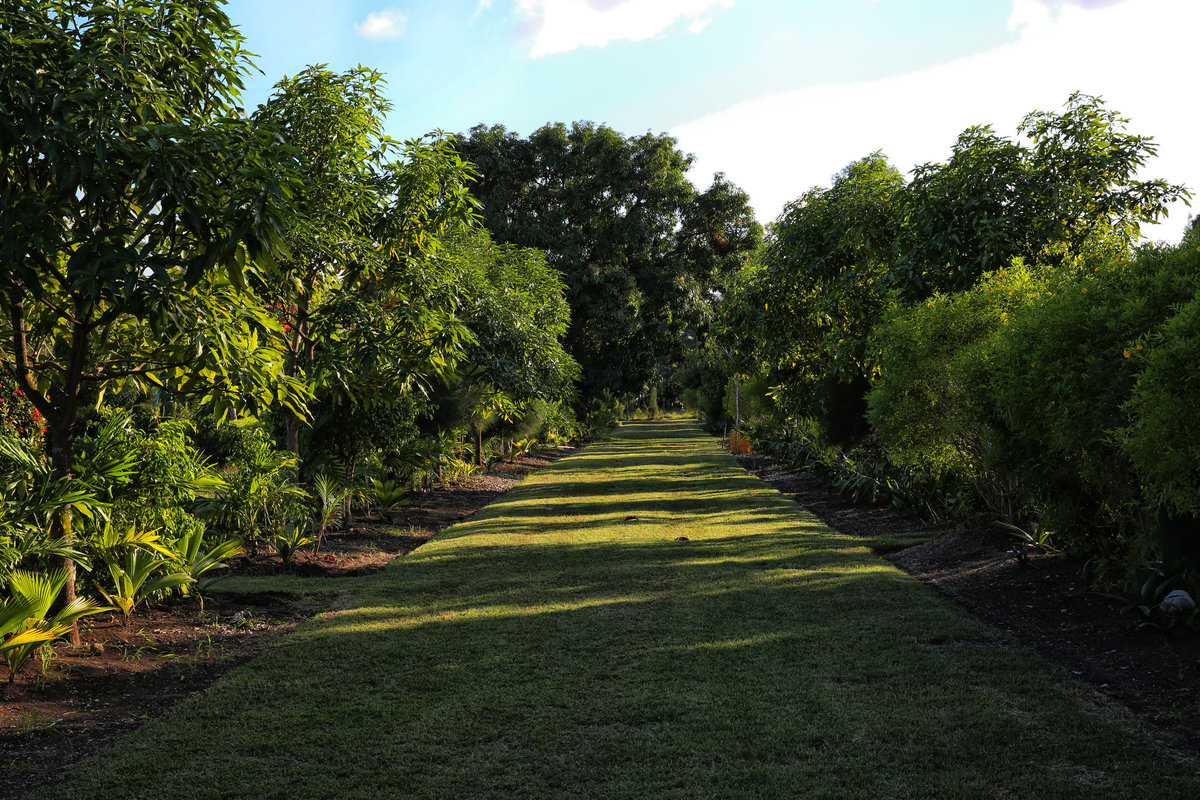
{"points": [[294, 585], [549, 648], [892, 542]]}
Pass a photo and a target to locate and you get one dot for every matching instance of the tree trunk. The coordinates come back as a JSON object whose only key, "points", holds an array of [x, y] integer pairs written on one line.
{"points": [[293, 434], [303, 353], [737, 402], [60, 439]]}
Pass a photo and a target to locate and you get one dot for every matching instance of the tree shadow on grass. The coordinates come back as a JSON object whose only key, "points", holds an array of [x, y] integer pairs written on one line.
{"points": [[545, 648]]}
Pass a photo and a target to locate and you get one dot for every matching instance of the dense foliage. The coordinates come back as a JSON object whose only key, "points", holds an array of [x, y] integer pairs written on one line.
{"points": [[642, 253], [991, 335], [226, 332]]}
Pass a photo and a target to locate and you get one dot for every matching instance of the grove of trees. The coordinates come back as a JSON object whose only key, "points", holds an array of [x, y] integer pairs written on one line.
{"points": [[988, 335], [223, 330], [644, 255], [226, 330]]}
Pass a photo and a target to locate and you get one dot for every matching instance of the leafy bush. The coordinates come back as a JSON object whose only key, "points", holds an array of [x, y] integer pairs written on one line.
{"points": [[600, 412], [927, 404], [1163, 440], [1060, 379], [290, 537], [864, 476], [259, 499]]}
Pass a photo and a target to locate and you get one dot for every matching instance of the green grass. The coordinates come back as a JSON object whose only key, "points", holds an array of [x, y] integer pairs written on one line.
{"points": [[546, 648]]}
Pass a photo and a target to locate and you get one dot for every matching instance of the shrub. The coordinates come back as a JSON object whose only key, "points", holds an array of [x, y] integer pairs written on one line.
{"points": [[1162, 440], [926, 404], [1060, 381]]}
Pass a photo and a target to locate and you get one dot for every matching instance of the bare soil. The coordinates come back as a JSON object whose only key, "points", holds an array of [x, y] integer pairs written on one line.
{"points": [[58, 710], [1043, 601]]}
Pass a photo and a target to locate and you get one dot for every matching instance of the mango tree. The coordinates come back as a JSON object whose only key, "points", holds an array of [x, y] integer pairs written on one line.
{"points": [[515, 307], [641, 251], [360, 311], [1073, 191], [134, 195]]}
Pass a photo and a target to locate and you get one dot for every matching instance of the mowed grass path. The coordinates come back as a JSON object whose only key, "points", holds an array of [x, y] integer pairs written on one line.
{"points": [[547, 649]]}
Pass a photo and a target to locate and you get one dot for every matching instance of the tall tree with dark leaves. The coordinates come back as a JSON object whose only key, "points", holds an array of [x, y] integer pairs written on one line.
{"points": [[364, 312], [642, 253]]}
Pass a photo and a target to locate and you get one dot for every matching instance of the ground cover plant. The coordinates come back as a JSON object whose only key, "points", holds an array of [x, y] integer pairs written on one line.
{"points": [[643, 619]]}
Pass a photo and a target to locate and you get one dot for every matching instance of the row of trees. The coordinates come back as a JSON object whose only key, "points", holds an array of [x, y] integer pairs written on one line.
{"points": [[218, 324], [222, 329], [988, 333], [645, 256]]}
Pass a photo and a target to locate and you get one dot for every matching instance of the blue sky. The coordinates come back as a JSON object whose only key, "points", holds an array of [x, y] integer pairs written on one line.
{"points": [[779, 95]]}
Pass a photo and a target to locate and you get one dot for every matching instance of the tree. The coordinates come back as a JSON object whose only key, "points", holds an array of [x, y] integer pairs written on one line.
{"points": [[370, 210], [820, 288], [640, 250], [134, 196], [515, 307], [1072, 192]]}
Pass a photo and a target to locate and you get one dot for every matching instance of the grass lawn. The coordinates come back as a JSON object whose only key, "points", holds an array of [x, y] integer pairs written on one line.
{"points": [[722, 643]]}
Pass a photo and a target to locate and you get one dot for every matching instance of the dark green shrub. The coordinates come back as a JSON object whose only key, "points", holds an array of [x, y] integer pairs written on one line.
{"points": [[1060, 379], [1162, 440], [927, 405]]}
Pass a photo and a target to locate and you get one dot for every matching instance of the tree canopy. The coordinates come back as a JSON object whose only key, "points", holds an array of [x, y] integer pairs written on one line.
{"points": [[641, 251], [356, 294], [134, 194]]}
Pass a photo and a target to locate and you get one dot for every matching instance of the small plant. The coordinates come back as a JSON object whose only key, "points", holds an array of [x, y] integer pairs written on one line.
{"points": [[1036, 539], [194, 560], [459, 471], [23, 617], [132, 581], [330, 505], [294, 536], [45, 655], [386, 496], [134, 655], [28, 723], [1156, 601], [522, 447]]}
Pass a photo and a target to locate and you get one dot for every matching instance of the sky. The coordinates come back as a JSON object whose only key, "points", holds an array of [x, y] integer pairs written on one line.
{"points": [[777, 94]]}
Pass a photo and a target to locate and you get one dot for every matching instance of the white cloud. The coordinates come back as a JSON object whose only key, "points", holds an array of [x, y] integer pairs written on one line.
{"points": [[480, 7], [561, 26], [699, 24], [379, 25], [1135, 55]]}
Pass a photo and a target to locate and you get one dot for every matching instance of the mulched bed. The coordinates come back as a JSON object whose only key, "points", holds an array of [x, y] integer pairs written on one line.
{"points": [[1044, 603], [55, 713]]}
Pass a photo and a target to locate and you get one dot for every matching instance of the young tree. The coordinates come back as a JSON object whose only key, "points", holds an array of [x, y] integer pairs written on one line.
{"points": [[515, 307], [129, 179], [368, 214]]}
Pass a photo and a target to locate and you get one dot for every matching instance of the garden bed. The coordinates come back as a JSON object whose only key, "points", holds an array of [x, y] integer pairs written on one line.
{"points": [[1043, 602]]}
